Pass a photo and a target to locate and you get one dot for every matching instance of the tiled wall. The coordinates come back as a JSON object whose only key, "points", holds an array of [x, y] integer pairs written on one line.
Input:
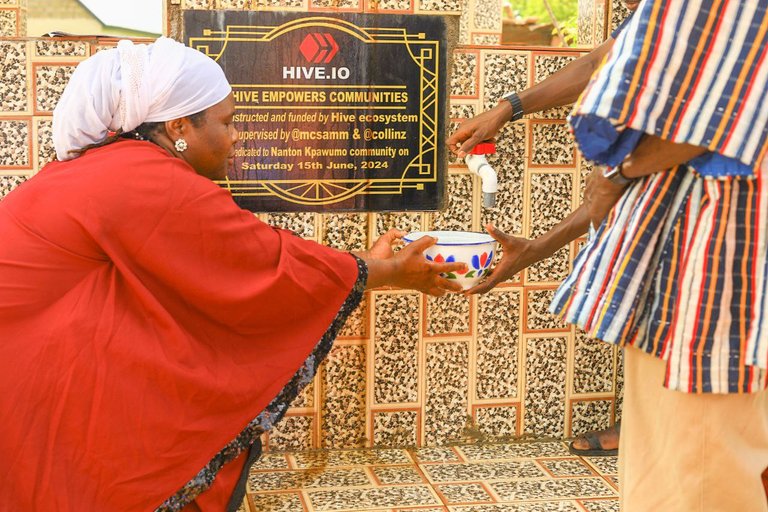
{"points": [[409, 370]]}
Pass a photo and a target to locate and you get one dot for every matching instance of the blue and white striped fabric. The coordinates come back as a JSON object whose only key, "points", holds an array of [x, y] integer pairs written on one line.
{"points": [[687, 71]]}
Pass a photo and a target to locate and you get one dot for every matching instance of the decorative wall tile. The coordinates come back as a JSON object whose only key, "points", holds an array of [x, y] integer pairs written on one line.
{"points": [[13, 69], [497, 347], [585, 170], [551, 270], [447, 380], [348, 232], [392, 475], [345, 5], [257, 4], [488, 15], [551, 201], [9, 23], [356, 325], [448, 314], [466, 15], [592, 365], [538, 316], [365, 499], [544, 412], [389, 5], [198, 4], [496, 422], [520, 450], [46, 153], [586, 23], [276, 502], [306, 398], [462, 110], [233, 4], [566, 467], [303, 224], [464, 74], [458, 212], [618, 13], [404, 221], [344, 392], [444, 6], [485, 471], [545, 65], [337, 458], [552, 144], [60, 48], [395, 349], [486, 39], [307, 479], [15, 144], [619, 384], [503, 72], [395, 428], [509, 164], [292, 433], [464, 493], [50, 81], [562, 488], [8, 183], [601, 32]]}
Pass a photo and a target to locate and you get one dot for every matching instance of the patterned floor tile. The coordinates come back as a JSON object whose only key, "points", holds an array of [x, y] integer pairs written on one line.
{"points": [[601, 505], [271, 461], [372, 499], [485, 471], [465, 493], [566, 467], [439, 454], [283, 502], [552, 489], [351, 458], [604, 465], [313, 478], [391, 475], [539, 506], [514, 451]]}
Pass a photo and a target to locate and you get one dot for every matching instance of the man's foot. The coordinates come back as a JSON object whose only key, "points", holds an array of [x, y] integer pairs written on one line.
{"points": [[597, 443]]}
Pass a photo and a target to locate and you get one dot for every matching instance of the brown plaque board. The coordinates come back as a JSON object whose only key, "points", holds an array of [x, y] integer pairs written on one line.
{"points": [[336, 112]]}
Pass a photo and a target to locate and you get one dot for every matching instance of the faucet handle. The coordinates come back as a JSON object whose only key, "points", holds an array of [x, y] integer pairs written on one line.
{"points": [[484, 148]]}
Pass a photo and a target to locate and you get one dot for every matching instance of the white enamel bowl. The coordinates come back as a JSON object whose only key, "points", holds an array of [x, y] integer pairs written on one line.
{"points": [[474, 249]]}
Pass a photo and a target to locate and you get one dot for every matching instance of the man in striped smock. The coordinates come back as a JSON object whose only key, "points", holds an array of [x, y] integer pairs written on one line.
{"points": [[676, 270]]}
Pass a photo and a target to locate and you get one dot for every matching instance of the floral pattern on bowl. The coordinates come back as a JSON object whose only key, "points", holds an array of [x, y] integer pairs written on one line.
{"points": [[474, 249]]}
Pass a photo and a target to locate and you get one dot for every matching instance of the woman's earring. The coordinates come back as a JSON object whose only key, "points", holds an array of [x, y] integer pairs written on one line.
{"points": [[181, 145]]}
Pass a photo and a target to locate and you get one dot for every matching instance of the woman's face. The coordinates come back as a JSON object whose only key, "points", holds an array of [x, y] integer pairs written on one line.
{"points": [[211, 141]]}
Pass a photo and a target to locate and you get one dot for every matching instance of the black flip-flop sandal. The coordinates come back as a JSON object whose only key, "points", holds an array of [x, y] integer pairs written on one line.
{"points": [[595, 448]]}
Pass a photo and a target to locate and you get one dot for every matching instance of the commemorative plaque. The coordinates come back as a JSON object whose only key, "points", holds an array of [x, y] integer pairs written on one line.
{"points": [[335, 112]]}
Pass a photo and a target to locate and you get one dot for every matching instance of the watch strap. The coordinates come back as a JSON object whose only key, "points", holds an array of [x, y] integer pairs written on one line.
{"points": [[615, 175], [517, 106]]}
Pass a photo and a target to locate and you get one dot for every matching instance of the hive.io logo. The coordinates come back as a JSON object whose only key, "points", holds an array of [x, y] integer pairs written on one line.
{"points": [[319, 48]]}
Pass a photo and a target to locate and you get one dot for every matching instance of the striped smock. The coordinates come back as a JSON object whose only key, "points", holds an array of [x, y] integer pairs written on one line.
{"points": [[679, 267]]}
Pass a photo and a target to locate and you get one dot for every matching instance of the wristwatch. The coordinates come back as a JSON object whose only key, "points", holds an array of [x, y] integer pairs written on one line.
{"points": [[517, 106], [614, 175]]}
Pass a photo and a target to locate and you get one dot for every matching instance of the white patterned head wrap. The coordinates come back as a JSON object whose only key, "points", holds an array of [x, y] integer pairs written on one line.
{"points": [[123, 87]]}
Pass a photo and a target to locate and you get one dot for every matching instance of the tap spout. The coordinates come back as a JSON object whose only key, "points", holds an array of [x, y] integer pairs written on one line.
{"points": [[479, 165]]}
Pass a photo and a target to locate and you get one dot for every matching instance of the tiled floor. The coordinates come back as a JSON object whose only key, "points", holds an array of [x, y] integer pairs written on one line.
{"points": [[521, 477]]}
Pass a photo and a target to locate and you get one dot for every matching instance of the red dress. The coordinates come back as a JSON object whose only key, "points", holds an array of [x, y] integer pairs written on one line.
{"points": [[147, 323]]}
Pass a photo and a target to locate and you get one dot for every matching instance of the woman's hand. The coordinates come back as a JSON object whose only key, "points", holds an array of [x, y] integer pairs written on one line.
{"points": [[408, 268], [600, 194], [518, 254]]}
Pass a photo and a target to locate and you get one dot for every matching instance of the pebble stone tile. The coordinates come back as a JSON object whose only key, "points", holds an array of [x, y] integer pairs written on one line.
{"points": [[509, 163], [404, 221], [278, 3], [550, 270], [336, 4], [585, 35], [436, 454], [590, 415], [356, 325], [292, 433], [393, 475], [481, 39], [8, 183], [395, 428], [344, 379], [552, 144], [605, 505], [306, 398], [505, 451], [538, 506], [389, 5], [566, 467], [464, 74], [446, 399], [551, 201], [303, 224], [282, 502], [497, 347], [487, 15], [14, 143], [233, 4], [544, 405], [13, 67], [347, 232], [593, 364], [308, 479], [395, 351], [496, 423], [618, 13], [448, 314], [552, 489], [503, 72], [373, 499], [464, 493], [485, 471], [50, 81], [269, 461], [335, 458], [444, 6], [462, 110], [45, 150], [543, 67], [60, 48], [9, 23], [604, 465], [538, 316], [199, 4], [458, 212]]}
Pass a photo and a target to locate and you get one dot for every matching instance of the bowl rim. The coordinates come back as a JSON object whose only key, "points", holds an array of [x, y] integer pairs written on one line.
{"points": [[415, 235]]}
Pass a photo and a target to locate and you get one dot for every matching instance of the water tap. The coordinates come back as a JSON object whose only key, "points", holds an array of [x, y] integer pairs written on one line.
{"points": [[479, 165]]}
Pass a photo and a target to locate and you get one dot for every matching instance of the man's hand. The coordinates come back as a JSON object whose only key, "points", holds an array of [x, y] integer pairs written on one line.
{"points": [[518, 254], [482, 127], [600, 194]]}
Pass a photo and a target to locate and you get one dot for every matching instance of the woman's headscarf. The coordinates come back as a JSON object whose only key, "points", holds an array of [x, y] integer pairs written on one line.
{"points": [[123, 87]]}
